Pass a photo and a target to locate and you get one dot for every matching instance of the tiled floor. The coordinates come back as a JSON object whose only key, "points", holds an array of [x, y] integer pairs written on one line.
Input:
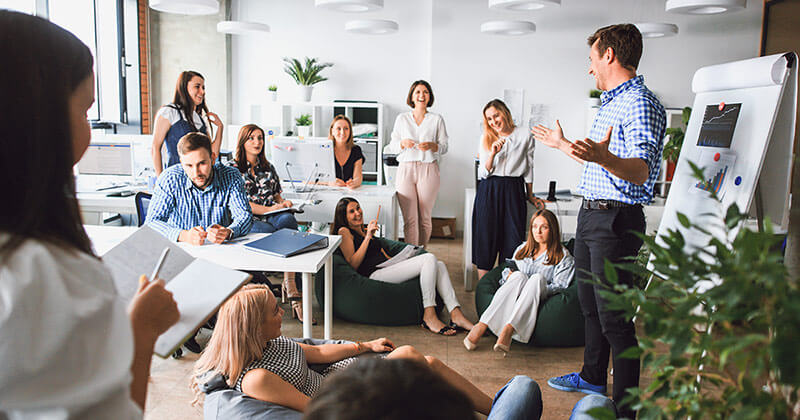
{"points": [[169, 396]]}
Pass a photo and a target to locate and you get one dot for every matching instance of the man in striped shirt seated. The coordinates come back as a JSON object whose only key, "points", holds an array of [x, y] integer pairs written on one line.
{"points": [[197, 200]]}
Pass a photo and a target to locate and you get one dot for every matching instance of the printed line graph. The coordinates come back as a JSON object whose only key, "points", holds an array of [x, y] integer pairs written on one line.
{"points": [[718, 125]]}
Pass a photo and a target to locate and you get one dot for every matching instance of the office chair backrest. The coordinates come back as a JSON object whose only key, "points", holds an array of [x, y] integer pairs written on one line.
{"points": [[142, 202]]}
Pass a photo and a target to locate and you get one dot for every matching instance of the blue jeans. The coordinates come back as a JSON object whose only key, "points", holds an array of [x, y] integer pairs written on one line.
{"points": [[589, 402], [275, 222], [519, 399]]}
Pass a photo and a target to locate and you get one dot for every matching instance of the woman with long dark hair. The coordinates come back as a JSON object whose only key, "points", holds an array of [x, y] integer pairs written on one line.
{"points": [[263, 187], [543, 266], [182, 116], [364, 253], [69, 350], [505, 184]]}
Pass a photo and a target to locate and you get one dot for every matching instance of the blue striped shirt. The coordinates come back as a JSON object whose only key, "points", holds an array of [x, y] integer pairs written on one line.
{"points": [[178, 204], [639, 123]]}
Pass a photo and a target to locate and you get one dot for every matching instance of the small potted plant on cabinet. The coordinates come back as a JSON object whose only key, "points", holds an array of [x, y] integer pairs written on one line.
{"points": [[306, 75], [594, 97], [303, 125], [273, 91]]}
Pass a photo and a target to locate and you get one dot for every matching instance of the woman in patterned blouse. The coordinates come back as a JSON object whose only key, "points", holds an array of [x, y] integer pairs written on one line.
{"points": [[263, 187], [248, 349]]}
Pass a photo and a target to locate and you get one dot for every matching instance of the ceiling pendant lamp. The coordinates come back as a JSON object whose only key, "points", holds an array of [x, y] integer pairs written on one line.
{"points": [[371, 27], [657, 30], [704, 7], [350, 6], [508, 27], [236, 27], [186, 7], [521, 5]]}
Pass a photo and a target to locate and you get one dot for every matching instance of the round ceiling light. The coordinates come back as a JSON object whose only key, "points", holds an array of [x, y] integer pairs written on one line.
{"points": [[371, 26], [704, 7], [657, 30], [235, 27], [186, 7], [521, 5], [508, 27], [350, 6]]}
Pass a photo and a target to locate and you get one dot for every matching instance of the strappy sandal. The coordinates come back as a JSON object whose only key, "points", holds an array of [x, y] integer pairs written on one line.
{"points": [[457, 327], [443, 331]]}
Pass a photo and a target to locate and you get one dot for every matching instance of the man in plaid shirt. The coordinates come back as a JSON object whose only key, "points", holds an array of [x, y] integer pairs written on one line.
{"points": [[621, 161], [197, 200]]}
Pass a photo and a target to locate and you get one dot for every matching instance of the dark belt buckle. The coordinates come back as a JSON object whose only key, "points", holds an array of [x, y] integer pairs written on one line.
{"points": [[602, 204]]}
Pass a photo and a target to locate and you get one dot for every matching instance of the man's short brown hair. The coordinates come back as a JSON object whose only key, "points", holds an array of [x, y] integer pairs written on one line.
{"points": [[410, 100], [626, 41], [194, 141]]}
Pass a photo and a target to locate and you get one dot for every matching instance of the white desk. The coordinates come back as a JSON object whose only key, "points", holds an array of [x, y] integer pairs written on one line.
{"points": [[233, 255], [94, 204], [369, 196]]}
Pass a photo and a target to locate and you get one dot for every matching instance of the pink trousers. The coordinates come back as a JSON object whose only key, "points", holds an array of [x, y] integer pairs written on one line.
{"points": [[417, 185]]}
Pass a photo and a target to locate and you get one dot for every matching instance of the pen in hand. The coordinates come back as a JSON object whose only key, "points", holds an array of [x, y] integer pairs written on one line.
{"points": [[159, 264]]}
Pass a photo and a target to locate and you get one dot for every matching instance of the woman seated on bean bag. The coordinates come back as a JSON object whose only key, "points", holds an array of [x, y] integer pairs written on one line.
{"points": [[247, 348], [364, 255], [543, 266]]}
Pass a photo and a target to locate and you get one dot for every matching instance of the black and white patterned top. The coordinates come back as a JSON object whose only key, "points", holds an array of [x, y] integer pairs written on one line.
{"points": [[261, 188], [286, 359]]}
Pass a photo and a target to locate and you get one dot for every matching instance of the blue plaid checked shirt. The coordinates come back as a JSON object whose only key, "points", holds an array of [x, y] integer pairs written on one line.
{"points": [[639, 123], [178, 205]]}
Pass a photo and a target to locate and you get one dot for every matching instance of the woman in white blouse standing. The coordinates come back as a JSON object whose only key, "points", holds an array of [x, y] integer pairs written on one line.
{"points": [[505, 184], [419, 138]]}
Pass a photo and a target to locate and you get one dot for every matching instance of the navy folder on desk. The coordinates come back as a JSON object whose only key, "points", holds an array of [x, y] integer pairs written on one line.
{"points": [[288, 242]]}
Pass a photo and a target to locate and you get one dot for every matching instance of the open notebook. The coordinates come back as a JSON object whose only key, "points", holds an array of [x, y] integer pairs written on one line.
{"points": [[198, 286]]}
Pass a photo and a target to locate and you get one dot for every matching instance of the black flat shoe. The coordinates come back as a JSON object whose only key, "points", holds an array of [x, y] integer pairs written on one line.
{"points": [[192, 345], [444, 331], [457, 327]]}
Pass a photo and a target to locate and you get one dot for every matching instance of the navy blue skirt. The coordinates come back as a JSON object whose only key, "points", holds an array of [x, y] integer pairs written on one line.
{"points": [[498, 219]]}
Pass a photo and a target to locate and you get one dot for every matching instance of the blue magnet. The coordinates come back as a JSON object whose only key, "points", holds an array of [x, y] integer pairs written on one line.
{"points": [[738, 180]]}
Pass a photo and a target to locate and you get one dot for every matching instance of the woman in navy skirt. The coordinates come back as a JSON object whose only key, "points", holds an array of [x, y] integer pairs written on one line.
{"points": [[505, 183]]}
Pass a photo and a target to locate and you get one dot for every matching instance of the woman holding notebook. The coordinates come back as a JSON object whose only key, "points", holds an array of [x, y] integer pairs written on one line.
{"points": [[366, 255], [69, 347]]}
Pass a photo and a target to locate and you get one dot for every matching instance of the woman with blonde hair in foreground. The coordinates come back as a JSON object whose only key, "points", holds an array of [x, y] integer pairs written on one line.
{"points": [[248, 349]]}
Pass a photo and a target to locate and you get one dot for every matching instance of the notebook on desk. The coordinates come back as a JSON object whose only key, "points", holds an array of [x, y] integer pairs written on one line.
{"points": [[287, 242]]}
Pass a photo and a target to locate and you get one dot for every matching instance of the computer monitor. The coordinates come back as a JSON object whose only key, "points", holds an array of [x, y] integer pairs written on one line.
{"points": [[303, 161], [106, 158]]}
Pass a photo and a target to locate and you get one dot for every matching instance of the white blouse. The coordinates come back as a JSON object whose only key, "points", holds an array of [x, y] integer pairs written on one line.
{"points": [[514, 159], [173, 115], [66, 344], [432, 129]]}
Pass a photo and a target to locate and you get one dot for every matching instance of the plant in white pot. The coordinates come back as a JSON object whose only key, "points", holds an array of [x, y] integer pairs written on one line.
{"points": [[303, 125], [273, 91], [594, 97], [306, 75]]}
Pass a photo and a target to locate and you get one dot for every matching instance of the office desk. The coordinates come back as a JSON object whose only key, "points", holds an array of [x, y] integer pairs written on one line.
{"points": [[369, 196], [235, 256], [94, 204]]}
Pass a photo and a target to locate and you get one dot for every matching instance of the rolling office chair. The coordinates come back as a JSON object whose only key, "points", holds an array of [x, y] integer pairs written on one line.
{"points": [[142, 200]]}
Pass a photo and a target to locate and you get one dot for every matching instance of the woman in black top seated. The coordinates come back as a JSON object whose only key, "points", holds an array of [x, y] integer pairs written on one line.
{"points": [[347, 156], [365, 254]]}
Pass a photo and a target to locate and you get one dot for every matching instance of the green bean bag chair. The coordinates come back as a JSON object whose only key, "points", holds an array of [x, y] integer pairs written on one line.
{"points": [[358, 299], [560, 321]]}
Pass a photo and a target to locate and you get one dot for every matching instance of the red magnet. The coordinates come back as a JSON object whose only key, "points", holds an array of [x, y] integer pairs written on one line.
{"points": [[721, 106], [716, 157]]}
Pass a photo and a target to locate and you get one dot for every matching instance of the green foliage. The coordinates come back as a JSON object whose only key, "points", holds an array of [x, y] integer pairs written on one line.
{"points": [[305, 75], [272, 88], [672, 148], [732, 347], [594, 93], [303, 120]]}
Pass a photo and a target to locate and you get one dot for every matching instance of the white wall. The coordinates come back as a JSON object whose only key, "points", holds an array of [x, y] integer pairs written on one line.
{"points": [[439, 40]]}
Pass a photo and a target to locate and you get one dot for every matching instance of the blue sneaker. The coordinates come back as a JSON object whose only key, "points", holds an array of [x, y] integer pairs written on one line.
{"points": [[574, 383]]}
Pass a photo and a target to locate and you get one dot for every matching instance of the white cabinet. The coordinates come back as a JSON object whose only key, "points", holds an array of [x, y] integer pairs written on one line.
{"points": [[280, 118]]}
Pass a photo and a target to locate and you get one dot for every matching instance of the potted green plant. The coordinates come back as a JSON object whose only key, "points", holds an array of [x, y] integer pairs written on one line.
{"points": [[305, 74], [594, 97], [303, 123], [273, 90], [724, 351], [672, 148]]}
